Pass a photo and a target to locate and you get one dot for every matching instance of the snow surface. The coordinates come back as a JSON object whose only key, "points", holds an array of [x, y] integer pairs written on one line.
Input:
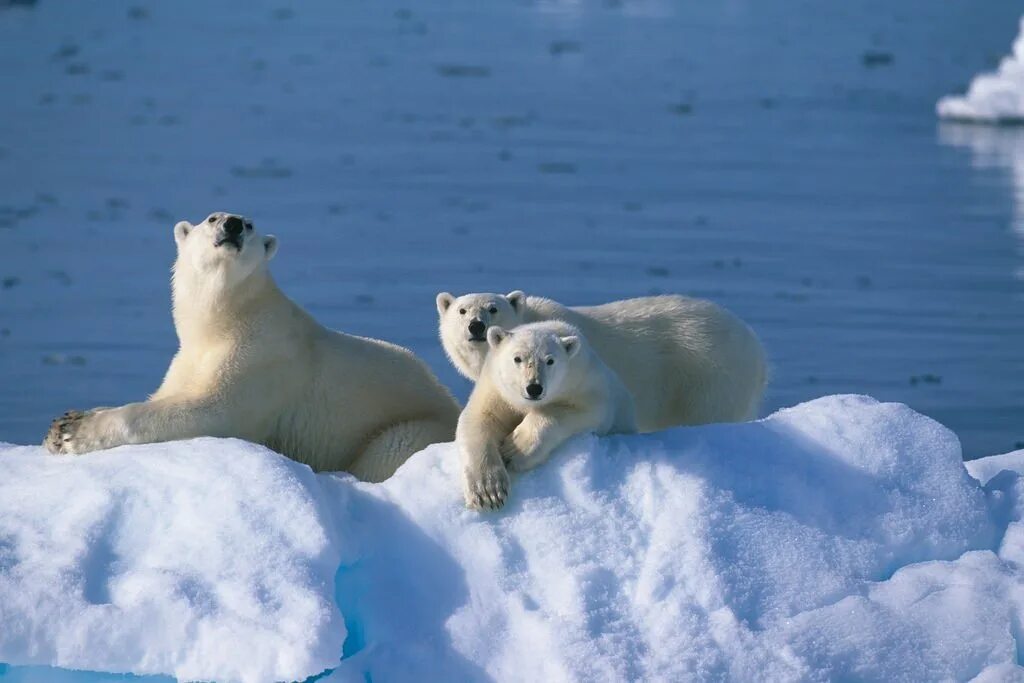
{"points": [[992, 97], [206, 559], [840, 539]]}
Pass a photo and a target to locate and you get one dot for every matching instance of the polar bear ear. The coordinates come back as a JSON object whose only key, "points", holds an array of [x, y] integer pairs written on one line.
{"points": [[571, 345], [444, 300], [270, 246], [516, 299], [495, 335], [181, 231]]}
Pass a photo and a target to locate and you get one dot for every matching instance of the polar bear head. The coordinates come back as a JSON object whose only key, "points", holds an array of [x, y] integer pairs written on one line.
{"points": [[220, 252], [464, 321], [532, 364]]}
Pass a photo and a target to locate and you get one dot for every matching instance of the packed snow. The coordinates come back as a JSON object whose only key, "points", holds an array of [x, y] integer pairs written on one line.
{"points": [[842, 538], [992, 97]]}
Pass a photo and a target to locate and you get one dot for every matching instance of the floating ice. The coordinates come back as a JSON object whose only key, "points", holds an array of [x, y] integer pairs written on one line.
{"points": [[841, 539], [992, 98]]}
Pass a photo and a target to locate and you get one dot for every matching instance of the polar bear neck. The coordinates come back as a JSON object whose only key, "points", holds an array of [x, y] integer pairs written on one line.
{"points": [[206, 307], [468, 361]]}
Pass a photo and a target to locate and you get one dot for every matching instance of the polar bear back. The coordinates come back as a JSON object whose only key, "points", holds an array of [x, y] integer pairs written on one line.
{"points": [[684, 360]]}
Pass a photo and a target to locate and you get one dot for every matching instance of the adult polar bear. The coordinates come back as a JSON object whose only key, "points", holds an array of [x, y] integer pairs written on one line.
{"points": [[686, 361], [253, 364]]}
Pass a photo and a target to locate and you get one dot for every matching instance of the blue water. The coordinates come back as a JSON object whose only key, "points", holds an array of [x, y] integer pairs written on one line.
{"points": [[782, 158]]}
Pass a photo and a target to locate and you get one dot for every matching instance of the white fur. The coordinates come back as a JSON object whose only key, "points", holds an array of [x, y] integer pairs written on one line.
{"points": [[504, 428], [252, 364], [685, 361]]}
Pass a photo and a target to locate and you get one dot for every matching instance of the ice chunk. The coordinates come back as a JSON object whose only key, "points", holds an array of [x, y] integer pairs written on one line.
{"points": [[1003, 476], [992, 98], [983, 469]]}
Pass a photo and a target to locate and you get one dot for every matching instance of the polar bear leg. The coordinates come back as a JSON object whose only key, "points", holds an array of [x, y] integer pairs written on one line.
{"points": [[386, 452], [485, 483], [485, 480], [147, 422]]}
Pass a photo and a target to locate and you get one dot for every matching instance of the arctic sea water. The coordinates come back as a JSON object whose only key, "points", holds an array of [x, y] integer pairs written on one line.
{"points": [[781, 158]]}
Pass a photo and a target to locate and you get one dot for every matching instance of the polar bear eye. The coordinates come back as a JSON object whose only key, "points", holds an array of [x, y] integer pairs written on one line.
{"points": [[462, 311], [492, 310], [517, 360], [551, 361], [248, 225]]}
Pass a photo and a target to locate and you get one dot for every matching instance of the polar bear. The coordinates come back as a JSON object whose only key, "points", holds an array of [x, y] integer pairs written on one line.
{"points": [[685, 361], [252, 364], [540, 385]]}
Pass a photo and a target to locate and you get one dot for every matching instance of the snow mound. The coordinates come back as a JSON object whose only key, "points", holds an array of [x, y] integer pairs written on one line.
{"points": [[840, 539], [207, 559], [763, 551], [992, 98]]}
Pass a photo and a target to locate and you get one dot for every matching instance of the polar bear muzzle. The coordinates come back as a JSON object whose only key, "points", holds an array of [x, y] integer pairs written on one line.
{"points": [[230, 232], [476, 330]]}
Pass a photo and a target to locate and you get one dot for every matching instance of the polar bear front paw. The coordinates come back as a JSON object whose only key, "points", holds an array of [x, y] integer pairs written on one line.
{"points": [[515, 459], [486, 489], [61, 439], [510, 451], [517, 450]]}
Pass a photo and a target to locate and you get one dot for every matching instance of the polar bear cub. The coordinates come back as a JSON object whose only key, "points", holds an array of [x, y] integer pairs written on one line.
{"points": [[252, 364], [540, 385], [685, 361]]}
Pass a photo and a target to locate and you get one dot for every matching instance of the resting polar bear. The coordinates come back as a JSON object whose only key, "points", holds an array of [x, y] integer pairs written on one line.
{"points": [[541, 384], [685, 361], [252, 364]]}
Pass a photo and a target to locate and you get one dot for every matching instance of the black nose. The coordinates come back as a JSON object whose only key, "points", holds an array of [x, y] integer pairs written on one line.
{"points": [[476, 328], [233, 226], [534, 390]]}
